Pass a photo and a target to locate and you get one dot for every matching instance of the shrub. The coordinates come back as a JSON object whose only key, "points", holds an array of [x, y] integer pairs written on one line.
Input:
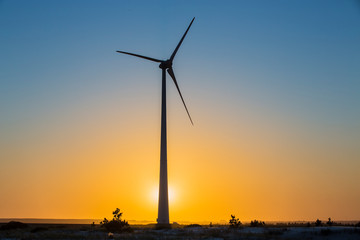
{"points": [[318, 223], [116, 224], [329, 222], [234, 222], [257, 223]]}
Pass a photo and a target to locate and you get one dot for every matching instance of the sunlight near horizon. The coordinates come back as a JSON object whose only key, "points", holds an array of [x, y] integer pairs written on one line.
{"points": [[154, 195]]}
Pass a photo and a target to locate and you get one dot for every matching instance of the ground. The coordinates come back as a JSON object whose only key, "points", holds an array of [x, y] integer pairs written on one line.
{"points": [[82, 231]]}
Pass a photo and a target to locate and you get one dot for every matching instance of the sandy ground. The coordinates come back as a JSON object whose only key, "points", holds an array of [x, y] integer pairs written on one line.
{"points": [[43, 231]]}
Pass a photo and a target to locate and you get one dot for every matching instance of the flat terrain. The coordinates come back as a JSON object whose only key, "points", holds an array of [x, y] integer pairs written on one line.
{"points": [[82, 231]]}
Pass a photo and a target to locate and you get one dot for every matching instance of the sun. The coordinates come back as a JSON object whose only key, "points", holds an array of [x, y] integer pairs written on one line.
{"points": [[155, 195]]}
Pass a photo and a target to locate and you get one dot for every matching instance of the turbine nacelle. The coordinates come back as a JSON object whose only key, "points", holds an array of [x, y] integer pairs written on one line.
{"points": [[166, 64]]}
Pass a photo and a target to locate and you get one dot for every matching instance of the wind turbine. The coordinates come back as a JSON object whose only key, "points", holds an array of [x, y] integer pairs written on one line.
{"points": [[165, 65]]}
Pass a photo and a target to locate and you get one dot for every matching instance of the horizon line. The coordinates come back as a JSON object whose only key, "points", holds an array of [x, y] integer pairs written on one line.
{"points": [[144, 222]]}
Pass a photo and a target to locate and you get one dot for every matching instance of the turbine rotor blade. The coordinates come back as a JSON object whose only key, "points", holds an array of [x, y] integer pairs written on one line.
{"points": [[172, 75], [182, 39], [140, 56]]}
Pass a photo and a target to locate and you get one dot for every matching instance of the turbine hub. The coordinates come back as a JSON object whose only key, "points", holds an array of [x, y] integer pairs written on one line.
{"points": [[165, 64]]}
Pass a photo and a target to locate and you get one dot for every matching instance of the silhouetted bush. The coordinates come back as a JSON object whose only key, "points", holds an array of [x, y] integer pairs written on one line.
{"points": [[116, 224], [257, 223], [318, 223], [234, 222], [329, 222], [357, 225], [13, 225]]}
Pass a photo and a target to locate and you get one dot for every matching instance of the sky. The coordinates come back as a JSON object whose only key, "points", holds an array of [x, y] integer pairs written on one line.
{"points": [[272, 87]]}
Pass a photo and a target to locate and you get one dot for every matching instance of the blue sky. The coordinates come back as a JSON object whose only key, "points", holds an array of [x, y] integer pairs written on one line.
{"points": [[303, 51]]}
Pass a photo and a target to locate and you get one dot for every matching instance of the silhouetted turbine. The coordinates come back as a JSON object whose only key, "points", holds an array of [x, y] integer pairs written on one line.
{"points": [[163, 210]]}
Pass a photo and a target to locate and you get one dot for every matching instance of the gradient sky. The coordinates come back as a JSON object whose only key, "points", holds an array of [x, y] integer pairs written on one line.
{"points": [[272, 86]]}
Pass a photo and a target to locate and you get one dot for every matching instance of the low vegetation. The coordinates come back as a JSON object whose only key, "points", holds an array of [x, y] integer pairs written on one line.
{"points": [[318, 223], [256, 223], [278, 231], [329, 222], [234, 222], [116, 224]]}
